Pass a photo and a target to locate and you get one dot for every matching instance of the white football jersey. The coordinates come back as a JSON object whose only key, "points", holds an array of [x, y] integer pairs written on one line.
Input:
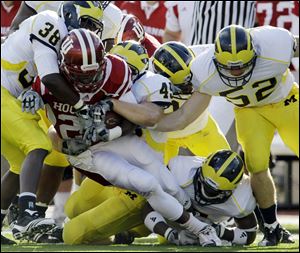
{"points": [[40, 6], [271, 80], [156, 89], [240, 204], [32, 50], [112, 16]]}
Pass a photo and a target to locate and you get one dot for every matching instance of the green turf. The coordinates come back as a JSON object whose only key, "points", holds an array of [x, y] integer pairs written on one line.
{"points": [[146, 245]]}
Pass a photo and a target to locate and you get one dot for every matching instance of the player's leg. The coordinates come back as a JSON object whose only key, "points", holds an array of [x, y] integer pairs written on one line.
{"points": [[122, 174], [89, 195], [208, 140], [22, 131], [287, 120], [255, 134], [136, 152], [120, 212]]}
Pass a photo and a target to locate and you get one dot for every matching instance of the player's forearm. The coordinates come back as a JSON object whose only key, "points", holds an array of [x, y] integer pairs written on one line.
{"points": [[146, 114], [185, 115], [60, 89]]}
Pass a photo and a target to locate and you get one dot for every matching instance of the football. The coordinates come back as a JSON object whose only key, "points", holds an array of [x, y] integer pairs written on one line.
{"points": [[112, 119]]}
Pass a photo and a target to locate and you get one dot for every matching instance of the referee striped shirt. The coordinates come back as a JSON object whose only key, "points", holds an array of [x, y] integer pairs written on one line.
{"points": [[209, 17]]}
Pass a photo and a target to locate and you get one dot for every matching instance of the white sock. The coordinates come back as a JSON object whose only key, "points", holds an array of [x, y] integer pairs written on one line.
{"points": [[152, 219], [273, 225], [194, 225]]}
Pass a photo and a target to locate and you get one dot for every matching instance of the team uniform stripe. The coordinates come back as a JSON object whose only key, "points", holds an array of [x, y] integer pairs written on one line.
{"points": [[92, 48], [83, 47]]}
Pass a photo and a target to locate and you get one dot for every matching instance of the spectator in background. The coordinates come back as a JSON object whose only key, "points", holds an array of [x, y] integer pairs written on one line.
{"points": [[178, 21], [8, 11], [281, 14], [152, 15]]}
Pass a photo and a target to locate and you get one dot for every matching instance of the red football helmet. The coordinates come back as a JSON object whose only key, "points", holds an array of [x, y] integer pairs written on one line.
{"points": [[82, 60], [131, 29]]}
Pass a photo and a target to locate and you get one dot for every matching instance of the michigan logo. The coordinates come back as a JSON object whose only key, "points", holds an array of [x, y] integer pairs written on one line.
{"points": [[292, 99]]}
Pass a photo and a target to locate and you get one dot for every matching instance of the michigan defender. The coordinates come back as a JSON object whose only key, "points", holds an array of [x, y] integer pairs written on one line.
{"points": [[250, 69], [112, 17], [203, 135], [24, 144], [219, 190]]}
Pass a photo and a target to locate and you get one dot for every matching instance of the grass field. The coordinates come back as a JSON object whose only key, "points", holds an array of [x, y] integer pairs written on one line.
{"points": [[149, 244]]}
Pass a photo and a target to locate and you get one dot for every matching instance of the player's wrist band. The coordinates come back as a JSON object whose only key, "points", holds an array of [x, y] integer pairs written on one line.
{"points": [[78, 105]]}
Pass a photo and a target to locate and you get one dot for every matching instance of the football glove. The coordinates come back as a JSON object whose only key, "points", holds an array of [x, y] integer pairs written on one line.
{"points": [[74, 147], [85, 116], [31, 101], [99, 111]]}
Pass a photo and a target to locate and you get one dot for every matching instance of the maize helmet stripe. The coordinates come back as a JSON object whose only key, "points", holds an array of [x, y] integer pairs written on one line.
{"points": [[232, 175], [175, 55], [233, 39], [162, 67], [91, 11], [225, 165]]}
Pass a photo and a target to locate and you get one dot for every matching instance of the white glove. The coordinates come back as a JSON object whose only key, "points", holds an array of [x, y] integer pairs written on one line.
{"points": [[85, 117], [100, 109], [31, 101]]}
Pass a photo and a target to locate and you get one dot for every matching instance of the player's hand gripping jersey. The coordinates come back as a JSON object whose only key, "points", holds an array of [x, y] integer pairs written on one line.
{"points": [[271, 80], [32, 50]]}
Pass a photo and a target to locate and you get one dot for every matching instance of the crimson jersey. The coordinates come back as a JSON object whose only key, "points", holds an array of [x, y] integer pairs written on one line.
{"points": [[117, 82], [154, 24], [150, 43], [283, 14], [7, 15], [278, 13]]}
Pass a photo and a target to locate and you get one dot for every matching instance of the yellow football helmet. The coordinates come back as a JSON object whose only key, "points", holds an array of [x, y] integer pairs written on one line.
{"points": [[218, 177], [134, 54], [234, 51], [173, 60], [82, 14]]}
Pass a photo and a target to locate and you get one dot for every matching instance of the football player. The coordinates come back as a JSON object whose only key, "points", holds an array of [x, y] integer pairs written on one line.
{"points": [[216, 184], [202, 136], [250, 69], [112, 16], [24, 144], [132, 29], [135, 166], [219, 190]]}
